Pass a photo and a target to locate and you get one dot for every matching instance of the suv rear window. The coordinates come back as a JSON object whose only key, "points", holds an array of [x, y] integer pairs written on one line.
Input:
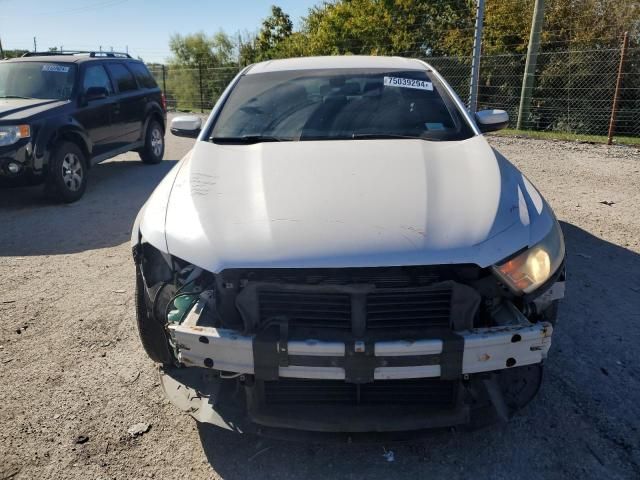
{"points": [[95, 76], [144, 78], [122, 77], [340, 104]]}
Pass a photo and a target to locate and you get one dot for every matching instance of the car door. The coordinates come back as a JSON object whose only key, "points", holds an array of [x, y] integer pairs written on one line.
{"points": [[96, 115], [130, 104]]}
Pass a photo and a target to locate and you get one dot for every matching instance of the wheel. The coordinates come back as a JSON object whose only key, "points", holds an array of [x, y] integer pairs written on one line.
{"points": [[67, 176], [153, 149], [152, 333]]}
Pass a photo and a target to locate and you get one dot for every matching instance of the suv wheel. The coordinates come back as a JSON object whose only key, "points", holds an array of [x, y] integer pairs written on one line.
{"points": [[153, 149], [67, 177]]}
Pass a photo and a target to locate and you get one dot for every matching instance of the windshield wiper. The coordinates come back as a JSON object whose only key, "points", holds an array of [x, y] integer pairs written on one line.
{"points": [[248, 139], [382, 136]]}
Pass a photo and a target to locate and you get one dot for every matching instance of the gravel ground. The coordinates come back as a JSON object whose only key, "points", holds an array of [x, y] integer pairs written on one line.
{"points": [[74, 378]]}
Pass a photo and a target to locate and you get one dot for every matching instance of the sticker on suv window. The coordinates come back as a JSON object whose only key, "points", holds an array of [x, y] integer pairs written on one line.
{"points": [[407, 83], [55, 68]]}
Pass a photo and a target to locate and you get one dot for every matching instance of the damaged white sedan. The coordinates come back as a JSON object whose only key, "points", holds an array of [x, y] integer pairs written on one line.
{"points": [[343, 252]]}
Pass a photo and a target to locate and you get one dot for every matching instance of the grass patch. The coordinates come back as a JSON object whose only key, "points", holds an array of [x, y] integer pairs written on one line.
{"points": [[635, 141]]}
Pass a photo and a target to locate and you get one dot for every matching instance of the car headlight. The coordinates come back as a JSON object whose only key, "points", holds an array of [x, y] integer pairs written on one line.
{"points": [[530, 269], [10, 134]]}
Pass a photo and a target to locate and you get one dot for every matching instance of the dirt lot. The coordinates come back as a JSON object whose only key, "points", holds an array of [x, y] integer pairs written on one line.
{"points": [[71, 365]]}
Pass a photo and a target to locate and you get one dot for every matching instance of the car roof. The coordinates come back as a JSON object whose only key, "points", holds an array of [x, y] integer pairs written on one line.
{"points": [[68, 59], [329, 62]]}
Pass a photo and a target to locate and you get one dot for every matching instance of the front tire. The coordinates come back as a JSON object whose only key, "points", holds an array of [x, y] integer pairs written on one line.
{"points": [[153, 334], [67, 176], [153, 149]]}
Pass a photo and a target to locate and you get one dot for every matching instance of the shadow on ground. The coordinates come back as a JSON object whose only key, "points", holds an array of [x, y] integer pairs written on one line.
{"points": [[102, 218], [575, 427]]}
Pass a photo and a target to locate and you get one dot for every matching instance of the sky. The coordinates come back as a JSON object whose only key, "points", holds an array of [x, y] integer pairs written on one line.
{"points": [[143, 25]]}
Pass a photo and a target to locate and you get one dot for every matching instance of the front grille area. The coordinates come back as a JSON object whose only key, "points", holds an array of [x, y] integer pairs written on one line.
{"points": [[380, 277], [383, 308], [310, 310], [409, 308], [428, 392]]}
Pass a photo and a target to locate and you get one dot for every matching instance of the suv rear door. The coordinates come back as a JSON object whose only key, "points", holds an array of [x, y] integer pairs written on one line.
{"points": [[96, 115], [153, 95], [129, 115]]}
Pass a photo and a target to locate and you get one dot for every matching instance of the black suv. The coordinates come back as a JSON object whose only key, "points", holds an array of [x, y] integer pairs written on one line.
{"points": [[62, 113]]}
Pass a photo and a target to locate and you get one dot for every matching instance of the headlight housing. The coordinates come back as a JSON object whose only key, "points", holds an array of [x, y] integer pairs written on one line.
{"points": [[10, 134], [530, 269]]}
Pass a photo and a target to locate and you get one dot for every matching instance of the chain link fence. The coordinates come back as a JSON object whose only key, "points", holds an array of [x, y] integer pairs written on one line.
{"points": [[192, 89], [573, 89]]}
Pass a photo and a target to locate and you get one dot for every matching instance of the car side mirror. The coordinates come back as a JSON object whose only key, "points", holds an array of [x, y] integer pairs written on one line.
{"points": [[492, 120], [186, 126], [95, 93]]}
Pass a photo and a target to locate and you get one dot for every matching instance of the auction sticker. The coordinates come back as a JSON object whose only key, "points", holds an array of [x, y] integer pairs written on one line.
{"points": [[407, 83], [55, 68]]}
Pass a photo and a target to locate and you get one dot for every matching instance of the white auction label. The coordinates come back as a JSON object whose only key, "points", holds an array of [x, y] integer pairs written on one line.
{"points": [[407, 83], [55, 68]]}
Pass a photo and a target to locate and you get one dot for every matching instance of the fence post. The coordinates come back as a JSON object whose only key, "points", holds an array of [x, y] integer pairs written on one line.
{"points": [[201, 93], [530, 65], [164, 81], [616, 95], [475, 64]]}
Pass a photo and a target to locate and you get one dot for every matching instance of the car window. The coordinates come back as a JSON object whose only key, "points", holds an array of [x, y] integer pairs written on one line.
{"points": [[144, 78], [96, 76], [341, 104], [46, 80], [122, 77]]}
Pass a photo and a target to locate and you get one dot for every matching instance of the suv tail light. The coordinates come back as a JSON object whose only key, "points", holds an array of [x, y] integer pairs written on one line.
{"points": [[163, 101]]}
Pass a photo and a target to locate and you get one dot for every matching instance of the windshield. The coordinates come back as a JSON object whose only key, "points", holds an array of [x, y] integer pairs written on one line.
{"points": [[337, 104], [36, 80]]}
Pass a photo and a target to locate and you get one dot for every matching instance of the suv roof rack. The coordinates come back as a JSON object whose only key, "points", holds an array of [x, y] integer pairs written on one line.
{"points": [[78, 52]]}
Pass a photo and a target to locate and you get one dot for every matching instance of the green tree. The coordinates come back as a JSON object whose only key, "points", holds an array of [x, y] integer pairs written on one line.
{"points": [[275, 30], [199, 60], [14, 53], [587, 31], [579, 41], [385, 27]]}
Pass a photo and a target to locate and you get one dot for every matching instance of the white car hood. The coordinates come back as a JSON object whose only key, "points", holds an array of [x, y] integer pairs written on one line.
{"points": [[349, 203]]}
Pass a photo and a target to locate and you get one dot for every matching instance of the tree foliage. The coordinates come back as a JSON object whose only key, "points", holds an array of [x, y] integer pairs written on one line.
{"points": [[14, 53], [275, 30], [195, 56], [441, 30]]}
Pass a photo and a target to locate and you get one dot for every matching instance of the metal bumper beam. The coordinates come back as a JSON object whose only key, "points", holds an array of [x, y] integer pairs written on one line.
{"points": [[517, 343]]}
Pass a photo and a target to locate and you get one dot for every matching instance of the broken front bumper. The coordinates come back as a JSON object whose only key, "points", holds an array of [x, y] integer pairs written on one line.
{"points": [[466, 352], [441, 378]]}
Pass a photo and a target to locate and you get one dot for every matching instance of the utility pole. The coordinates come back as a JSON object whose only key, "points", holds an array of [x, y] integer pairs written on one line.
{"points": [[530, 65], [35, 45], [475, 64], [1, 50], [616, 95]]}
